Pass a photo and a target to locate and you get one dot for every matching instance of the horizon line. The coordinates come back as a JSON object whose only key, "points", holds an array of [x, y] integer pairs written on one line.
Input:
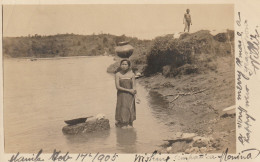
{"points": [[33, 35]]}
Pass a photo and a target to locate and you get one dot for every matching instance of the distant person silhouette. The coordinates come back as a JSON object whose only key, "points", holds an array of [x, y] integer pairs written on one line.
{"points": [[187, 20]]}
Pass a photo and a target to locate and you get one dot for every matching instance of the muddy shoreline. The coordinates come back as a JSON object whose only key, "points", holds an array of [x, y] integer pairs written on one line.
{"points": [[195, 106]]}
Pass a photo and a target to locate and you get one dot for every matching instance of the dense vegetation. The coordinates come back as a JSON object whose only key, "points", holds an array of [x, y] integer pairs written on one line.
{"points": [[64, 45], [167, 54]]}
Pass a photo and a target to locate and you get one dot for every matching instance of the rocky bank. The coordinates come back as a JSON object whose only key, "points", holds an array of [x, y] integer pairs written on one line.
{"points": [[197, 102]]}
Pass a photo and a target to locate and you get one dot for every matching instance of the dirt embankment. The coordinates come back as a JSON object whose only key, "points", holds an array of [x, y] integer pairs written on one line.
{"points": [[197, 102], [195, 74]]}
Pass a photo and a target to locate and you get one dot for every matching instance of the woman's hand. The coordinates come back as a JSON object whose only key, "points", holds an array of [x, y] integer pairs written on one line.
{"points": [[132, 91]]}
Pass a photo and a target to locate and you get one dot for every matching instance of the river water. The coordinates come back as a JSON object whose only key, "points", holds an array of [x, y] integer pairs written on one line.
{"points": [[40, 95]]}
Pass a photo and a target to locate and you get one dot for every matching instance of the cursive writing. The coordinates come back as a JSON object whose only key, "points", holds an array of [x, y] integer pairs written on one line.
{"points": [[57, 156], [244, 119], [146, 158], [248, 47], [18, 158], [240, 76], [253, 47], [247, 96], [243, 155]]}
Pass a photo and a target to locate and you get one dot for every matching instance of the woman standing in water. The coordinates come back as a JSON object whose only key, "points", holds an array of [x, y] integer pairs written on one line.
{"points": [[126, 90]]}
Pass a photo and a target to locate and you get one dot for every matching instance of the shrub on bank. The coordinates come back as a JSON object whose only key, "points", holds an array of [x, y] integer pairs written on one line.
{"points": [[167, 54]]}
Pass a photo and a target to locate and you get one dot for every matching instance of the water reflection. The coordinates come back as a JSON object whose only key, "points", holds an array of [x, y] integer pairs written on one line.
{"points": [[160, 109], [126, 140], [157, 102], [86, 138]]}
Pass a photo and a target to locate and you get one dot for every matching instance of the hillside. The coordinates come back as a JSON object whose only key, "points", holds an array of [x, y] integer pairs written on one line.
{"points": [[63, 45]]}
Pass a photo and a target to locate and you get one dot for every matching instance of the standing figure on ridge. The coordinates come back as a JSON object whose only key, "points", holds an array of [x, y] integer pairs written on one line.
{"points": [[187, 20]]}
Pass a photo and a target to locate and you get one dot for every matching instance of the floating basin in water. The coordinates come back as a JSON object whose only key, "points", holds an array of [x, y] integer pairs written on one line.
{"points": [[76, 121]]}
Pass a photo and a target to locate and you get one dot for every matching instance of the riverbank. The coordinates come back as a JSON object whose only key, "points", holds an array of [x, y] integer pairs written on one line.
{"points": [[197, 102]]}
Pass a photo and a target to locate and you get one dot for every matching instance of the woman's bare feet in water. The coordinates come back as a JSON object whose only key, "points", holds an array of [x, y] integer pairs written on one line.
{"points": [[117, 124], [130, 125], [124, 127]]}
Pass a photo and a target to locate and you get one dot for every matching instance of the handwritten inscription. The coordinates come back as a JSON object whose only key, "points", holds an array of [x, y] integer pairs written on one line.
{"points": [[244, 119], [246, 154], [247, 96], [243, 155], [248, 64], [19, 158], [58, 156], [253, 47], [240, 76], [248, 47], [148, 158]]}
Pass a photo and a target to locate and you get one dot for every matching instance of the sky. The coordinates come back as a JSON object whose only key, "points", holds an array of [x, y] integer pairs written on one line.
{"points": [[145, 21]]}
